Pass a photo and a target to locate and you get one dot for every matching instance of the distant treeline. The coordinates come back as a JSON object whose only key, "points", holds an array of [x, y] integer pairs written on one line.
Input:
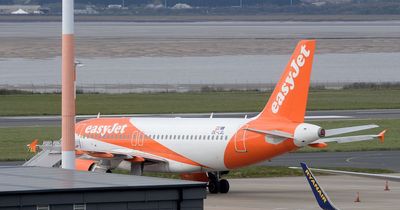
{"points": [[372, 85], [216, 88]]}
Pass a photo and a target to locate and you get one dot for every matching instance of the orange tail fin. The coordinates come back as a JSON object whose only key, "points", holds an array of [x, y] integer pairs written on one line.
{"points": [[289, 99]]}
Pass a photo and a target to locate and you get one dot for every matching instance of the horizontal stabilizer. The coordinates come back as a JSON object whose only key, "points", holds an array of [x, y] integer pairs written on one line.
{"points": [[272, 132], [348, 139], [338, 131]]}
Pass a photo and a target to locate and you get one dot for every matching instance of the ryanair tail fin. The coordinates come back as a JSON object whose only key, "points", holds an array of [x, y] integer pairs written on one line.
{"points": [[289, 98], [320, 195]]}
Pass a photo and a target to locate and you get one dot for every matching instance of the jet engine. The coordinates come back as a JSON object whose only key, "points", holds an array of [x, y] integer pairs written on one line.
{"points": [[305, 134], [84, 165]]}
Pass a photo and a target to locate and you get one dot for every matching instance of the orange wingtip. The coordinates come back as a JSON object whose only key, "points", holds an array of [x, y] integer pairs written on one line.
{"points": [[381, 136], [32, 146], [318, 145]]}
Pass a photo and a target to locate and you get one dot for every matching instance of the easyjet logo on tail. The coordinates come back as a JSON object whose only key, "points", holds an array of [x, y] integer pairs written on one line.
{"points": [[289, 83]]}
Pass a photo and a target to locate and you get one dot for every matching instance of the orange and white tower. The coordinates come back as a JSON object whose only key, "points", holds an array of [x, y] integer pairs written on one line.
{"points": [[68, 86]]}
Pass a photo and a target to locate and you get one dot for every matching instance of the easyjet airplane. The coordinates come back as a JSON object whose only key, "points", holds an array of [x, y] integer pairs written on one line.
{"points": [[204, 149]]}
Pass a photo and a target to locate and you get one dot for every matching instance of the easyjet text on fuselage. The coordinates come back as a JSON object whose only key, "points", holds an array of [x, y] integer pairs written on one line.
{"points": [[116, 128]]}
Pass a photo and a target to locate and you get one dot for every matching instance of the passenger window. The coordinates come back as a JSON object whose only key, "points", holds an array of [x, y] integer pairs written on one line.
{"points": [[212, 137], [162, 136], [226, 137], [208, 137], [158, 136]]}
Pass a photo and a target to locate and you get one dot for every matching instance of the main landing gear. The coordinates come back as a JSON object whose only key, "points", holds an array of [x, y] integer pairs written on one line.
{"points": [[216, 184]]}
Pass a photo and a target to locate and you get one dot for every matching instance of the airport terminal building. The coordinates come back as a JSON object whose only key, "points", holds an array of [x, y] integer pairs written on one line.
{"points": [[34, 188]]}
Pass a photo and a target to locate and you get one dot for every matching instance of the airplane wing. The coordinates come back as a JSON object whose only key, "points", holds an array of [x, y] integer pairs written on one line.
{"points": [[359, 174], [321, 197], [137, 153], [120, 154], [50, 154]]}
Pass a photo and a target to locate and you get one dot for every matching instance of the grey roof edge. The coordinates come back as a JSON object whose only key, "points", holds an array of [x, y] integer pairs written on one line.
{"points": [[98, 189], [168, 184]]}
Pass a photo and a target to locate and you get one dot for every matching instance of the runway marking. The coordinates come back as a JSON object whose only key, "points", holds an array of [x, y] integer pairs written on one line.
{"points": [[349, 159], [328, 117]]}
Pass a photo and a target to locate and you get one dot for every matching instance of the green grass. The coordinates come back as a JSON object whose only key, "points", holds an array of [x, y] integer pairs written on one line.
{"points": [[13, 141], [236, 101]]}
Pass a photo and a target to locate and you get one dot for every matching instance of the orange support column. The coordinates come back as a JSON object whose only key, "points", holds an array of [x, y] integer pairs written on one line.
{"points": [[68, 95]]}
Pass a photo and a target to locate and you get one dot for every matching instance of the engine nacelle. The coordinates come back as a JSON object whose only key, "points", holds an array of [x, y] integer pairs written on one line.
{"points": [[84, 165], [305, 134]]}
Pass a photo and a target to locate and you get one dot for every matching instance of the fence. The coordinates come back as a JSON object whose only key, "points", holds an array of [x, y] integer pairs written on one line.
{"points": [[150, 88]]}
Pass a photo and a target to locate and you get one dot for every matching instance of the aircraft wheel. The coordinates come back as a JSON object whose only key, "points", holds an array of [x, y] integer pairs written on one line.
{"points": [[213, 187], [223, 186]]}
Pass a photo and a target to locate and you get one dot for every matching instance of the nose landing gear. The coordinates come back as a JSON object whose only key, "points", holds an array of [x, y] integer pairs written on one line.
{"points": [[216, 184]]}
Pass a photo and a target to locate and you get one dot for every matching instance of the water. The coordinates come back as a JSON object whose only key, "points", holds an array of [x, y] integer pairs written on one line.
{"points": [[226, 69], [236, 69]]}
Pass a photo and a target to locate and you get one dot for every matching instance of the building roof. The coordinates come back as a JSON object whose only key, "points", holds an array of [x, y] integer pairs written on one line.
{"points": [[18, 179]]}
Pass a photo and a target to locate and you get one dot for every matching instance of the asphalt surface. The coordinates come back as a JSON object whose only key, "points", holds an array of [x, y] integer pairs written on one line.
{"points": [[294, 193], [24, 121], [369, 159]]}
